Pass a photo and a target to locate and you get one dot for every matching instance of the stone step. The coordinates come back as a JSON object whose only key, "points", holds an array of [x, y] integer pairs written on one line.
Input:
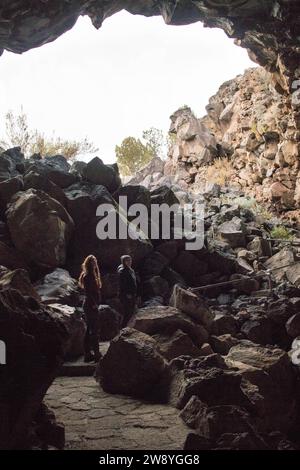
{"points": [[79, 368]]}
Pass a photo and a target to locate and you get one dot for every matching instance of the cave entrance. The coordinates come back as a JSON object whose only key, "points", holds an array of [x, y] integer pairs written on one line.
{"points": [[77, 400], [118, 82]]}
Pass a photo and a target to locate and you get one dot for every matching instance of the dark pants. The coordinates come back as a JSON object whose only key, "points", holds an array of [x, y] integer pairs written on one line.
{"points": [[91, 339], [129, 305]]}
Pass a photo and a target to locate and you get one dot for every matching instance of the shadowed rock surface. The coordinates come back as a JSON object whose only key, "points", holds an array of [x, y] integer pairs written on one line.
{"points": [[36, 339]]}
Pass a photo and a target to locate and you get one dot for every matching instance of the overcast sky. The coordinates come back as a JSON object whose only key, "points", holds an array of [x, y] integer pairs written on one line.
{"points": [[126, 77]]}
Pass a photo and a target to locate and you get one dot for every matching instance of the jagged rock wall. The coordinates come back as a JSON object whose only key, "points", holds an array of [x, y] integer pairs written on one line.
{"points": [[256, 135], [36, 338], [268, 29]]}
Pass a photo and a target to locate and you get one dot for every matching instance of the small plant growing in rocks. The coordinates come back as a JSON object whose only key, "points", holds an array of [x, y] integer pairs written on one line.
{"points": [[281, 233]]}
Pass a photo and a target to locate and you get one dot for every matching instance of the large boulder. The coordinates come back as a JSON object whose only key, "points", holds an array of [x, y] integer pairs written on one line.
{"points": [[192, 305], [17, 157], [175, 345], [261, 330], [10, 258], [190, 267], [33, 180], [18, 279], [79, 204], [83, 198], [241, 441], [167, 320], [273, 361], [7, 190], [193, 138], [155, 286], [135, 194], [279, 263], [293, 274], [109, 322], [132, 366], [224, 324], [222, 344], [154, 264], [219, 261], [77, 168], [4, 234], [208, 379], [233, 232], [98, 173], [172, 277], [269, 383], [164, 195], [36, 340], [55, 168], [58, 287], [75, 326], [8, 165], [214, 421], [40, 227], [146, 175], [293, 326]]}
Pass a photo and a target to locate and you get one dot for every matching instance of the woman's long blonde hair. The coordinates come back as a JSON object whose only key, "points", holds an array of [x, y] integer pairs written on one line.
{"points": [[90, 268]]}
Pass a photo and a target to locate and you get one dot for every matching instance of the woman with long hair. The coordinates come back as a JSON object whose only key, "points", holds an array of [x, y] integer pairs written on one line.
{"points": [[90, 282]]}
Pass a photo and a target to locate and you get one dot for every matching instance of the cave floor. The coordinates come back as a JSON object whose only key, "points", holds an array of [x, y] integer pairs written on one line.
{"points": [[95, 420]]}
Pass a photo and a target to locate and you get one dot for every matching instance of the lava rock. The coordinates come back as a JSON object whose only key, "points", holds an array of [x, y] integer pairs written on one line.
{"points": [[8, 189], [36, 340], [55, 168], [18, 279], [132, 366], [192, 305], [10, 258], [233, 232], [33, 180], [58, 287], [175, 345], [293, 326], [166, 320], [210, 383], [75, 326], [40, 227], [100, 174], [109, 322]]}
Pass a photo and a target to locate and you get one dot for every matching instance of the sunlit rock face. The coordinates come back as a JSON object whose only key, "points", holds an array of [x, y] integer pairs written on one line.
{"points": [[269, 29], [255, 129]]}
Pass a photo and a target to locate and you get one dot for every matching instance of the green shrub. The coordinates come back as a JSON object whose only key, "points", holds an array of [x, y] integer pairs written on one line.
{"points": [[280, 232]]}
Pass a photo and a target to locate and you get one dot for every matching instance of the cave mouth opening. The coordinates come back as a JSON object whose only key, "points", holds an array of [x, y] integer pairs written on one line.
{"points": [[127, 78], [267, 58]]}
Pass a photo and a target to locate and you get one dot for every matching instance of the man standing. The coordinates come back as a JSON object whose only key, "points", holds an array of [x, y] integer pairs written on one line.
{"points": [[128, 288]]}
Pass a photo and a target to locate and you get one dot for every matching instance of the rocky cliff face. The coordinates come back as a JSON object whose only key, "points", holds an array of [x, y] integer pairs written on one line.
{"points": [[249, 139]]}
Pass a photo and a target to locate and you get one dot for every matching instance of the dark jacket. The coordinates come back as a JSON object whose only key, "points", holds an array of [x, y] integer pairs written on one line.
{"points": [[128, 282], [92, 295]]}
